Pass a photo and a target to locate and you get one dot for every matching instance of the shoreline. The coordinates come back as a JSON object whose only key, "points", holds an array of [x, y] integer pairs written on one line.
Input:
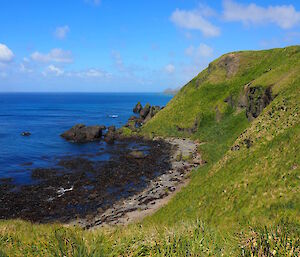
{"points": [[157, 194], [139, 178]]}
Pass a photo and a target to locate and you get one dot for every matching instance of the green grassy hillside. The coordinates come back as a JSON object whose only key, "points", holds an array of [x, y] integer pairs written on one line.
{"points": [[244, 110], [255, 184]]}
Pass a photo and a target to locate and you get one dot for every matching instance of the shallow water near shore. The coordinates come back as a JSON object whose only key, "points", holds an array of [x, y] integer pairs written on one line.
{"points": [[47, 115]]}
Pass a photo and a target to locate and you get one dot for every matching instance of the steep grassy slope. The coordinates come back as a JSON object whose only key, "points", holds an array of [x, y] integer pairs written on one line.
{"points": [[251, 177], [259, 181]]}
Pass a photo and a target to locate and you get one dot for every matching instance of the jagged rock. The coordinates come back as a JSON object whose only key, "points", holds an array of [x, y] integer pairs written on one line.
{"points": [[144, 112], [137, 109], [81, 133], [153, 110]]}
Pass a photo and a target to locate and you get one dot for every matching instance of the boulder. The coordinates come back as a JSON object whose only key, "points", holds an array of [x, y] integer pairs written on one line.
{"points": [[137, 109], [137, 154], [81, 133]]}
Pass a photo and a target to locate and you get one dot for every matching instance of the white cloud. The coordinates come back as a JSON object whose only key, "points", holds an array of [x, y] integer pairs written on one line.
{"points": [[195, 20], [6, 55], [61, 32], [90, 73], [202, 50], [55, 55], [53, 70], [285, 16], [170, 68]]}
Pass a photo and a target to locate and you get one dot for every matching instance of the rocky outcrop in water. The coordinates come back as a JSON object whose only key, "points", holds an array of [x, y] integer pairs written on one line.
{"points": [[81, 133], [26, 134], [145, 114], [138, 108]]}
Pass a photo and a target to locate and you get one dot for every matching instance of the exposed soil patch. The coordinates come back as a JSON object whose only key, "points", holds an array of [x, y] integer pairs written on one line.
{"points": [[230, 63]]}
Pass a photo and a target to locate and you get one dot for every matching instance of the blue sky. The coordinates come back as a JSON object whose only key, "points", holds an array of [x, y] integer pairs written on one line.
{"points": [[131, 45]]}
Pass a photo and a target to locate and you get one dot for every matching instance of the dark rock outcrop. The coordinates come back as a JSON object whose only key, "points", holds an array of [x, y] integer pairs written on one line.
{"points": [[137, 109], [253, 98], [153, 110], [81, 133], [144, 112], [258, 98], [111, 135]]}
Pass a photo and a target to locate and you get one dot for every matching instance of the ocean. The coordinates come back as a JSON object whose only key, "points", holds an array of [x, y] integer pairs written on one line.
{"points": [[47, 115]]}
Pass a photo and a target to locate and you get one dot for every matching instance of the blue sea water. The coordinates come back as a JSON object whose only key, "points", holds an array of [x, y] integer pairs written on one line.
{"points": [[47, 115]]}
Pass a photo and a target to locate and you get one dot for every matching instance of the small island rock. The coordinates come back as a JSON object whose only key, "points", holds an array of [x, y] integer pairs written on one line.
{"points": [[25, 134]]}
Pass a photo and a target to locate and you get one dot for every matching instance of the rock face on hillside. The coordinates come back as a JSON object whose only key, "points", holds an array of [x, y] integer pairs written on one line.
{"points": [[81, 133], [258, 98], [253, 98]]}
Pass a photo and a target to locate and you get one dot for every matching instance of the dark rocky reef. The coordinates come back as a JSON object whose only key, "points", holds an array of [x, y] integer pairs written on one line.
{"points": [[77, 187]]}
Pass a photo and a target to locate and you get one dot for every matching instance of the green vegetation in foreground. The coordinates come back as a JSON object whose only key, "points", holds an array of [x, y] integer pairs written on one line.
{"points": [[247, 200]]}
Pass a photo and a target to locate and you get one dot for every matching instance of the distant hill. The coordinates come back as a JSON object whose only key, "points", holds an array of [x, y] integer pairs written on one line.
{"points": [[171, 91]]}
